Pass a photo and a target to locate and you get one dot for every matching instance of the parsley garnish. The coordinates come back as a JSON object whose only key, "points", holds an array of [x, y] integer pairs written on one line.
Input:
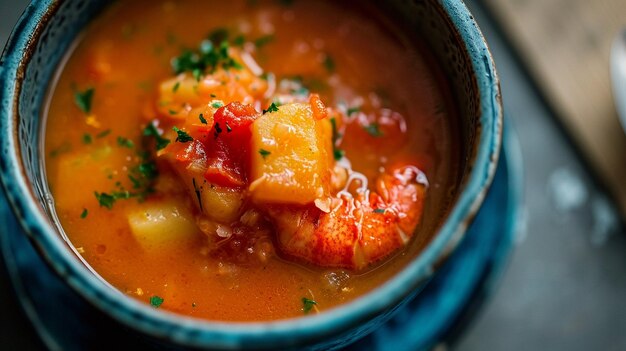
{"points": [[176, 86], [182, 137], [353, 110], [338, 154], [135, 181], [202, 119], [105, 200], [272, 108], [228, 128], [148, 170], [87, 139], [125, 142], [218, 35], [151, 130], [156, 301], [374, 130], [84, 214], [264, 153], [307, 305], [329, 64], [264, 40], [83, 99], [379, 210], [103, 133], [207, 57], [63, 148], [239, 41], [217, 104]]}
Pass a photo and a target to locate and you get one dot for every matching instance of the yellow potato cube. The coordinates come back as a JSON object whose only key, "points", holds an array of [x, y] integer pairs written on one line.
{"points": [[291, 156], [157, 224]]}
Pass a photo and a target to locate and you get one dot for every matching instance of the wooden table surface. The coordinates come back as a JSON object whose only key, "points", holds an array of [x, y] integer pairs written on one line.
{"points": [[565, 45]]}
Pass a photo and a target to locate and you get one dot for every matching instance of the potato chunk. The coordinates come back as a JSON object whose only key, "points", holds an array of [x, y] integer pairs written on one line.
{"points": [[155, 224], [290, 156]]}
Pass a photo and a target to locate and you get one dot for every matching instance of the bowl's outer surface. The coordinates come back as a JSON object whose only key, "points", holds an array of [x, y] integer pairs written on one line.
{"points": [[39, 41]]}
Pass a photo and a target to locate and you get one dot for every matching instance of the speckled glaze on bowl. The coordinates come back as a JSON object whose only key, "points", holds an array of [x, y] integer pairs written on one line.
{"points": [[40, 40]]}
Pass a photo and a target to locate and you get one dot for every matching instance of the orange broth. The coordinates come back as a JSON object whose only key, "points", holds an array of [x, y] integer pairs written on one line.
{"points": [[346, 55]]}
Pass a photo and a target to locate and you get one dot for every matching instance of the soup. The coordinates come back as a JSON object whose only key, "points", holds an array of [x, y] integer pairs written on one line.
{"points": [[249, 160]]}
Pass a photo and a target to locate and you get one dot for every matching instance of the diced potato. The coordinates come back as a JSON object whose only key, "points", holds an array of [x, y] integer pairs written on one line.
{"points": [[221, 204], [290, 156], [99, 164], [156, 224]]}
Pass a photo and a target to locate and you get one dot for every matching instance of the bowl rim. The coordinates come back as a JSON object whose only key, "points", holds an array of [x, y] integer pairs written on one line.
{"points": [[197, 332]]}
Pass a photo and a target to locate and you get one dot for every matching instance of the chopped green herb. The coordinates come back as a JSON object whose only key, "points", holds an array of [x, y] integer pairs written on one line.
{"points": [[105, 200], [213, 95], [338, 154], [84, 214], [374, 130], [228, 128], [379, 210], [151, 130], [264, 40], [125, 142], [307, 305], [87, 139], [135, 181], [63, 148], [202, 119], [148, 170], [83, 99], [353, 110], [218, 35], [103, 133], [176, 86], [172, 112], [272, 108], [217, 104], [239, 41], [197, 74], [156, 301], [264, 153], [329, 64], [207, 57], [182, 137]]}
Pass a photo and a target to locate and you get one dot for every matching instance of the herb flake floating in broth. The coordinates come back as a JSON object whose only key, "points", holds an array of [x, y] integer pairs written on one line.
{"points": [[83, 99], [156, 301], [307, 305]]}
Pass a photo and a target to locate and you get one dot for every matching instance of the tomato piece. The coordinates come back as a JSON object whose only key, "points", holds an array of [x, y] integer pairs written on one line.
{"points": [[225, 166], [189, 152], [235, 116]]}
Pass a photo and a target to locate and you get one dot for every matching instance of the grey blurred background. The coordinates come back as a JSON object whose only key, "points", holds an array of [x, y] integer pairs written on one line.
{"points": [[565, 287]]}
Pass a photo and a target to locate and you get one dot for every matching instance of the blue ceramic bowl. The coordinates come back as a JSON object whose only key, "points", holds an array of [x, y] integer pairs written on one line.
{"points": [[38, 43]]}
